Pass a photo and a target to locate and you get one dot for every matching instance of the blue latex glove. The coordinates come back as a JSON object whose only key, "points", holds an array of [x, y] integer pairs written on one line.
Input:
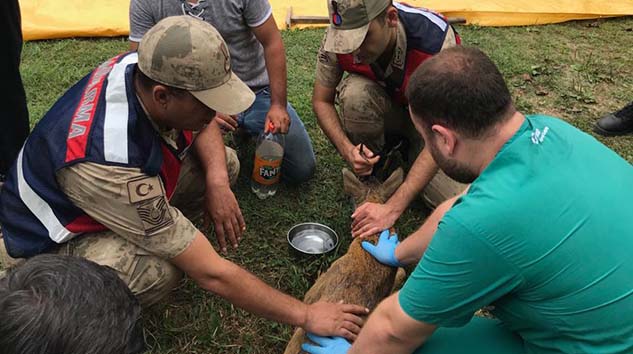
{"points": [[326, 345], [385, 250]]}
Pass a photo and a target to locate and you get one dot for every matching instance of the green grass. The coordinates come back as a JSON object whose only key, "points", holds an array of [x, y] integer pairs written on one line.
{"points": [[576, 71]]}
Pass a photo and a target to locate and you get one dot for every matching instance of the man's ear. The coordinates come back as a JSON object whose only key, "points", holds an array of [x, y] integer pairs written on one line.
{"points": [[445, 139], [392, 16], [161, 96]]}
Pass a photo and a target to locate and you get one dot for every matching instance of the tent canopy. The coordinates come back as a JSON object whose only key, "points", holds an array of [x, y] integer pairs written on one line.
{"points": [[46, 19]]}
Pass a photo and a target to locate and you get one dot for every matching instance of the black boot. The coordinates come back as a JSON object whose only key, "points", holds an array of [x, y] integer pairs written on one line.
{"points": [[618, 123]]}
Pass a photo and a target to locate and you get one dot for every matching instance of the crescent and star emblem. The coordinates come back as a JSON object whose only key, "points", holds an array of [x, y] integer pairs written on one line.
{"points": [[144, 189]]}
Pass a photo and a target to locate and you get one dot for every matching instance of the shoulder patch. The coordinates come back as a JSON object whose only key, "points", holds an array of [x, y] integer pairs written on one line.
{"points": [[398, 58], [148, 195], [144, 188], [323, 56]]}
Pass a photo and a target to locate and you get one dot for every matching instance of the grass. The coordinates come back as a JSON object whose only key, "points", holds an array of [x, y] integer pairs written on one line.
{"points": [[576, 71]]}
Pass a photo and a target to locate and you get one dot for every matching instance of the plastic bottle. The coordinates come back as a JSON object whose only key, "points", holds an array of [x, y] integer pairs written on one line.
{"points": [[269, 153]]}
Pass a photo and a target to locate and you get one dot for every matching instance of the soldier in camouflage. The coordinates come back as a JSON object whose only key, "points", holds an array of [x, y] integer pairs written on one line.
{"points": [[378, 44], [145, 233]]}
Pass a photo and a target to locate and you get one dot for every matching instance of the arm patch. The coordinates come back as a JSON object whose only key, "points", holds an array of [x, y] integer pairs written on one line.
{"points": [[148, 196]]}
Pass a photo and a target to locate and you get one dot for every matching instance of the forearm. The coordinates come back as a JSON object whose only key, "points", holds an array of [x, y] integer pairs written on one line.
{"points": [[383, 333], [246, 291], [275, 56], [328, 120], [222, 277], [423, 170], [209, 147], [413, 247]]}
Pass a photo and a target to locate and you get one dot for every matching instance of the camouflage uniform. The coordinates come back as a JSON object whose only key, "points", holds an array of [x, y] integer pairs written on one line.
{"points": [[141, 260], [145, 230], [368, 114]]}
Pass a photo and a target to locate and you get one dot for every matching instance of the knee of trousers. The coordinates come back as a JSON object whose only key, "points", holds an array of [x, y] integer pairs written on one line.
{"points": [[232, 165], [363, 99], [363, 105], [7, 262], [441, 188], [295, 172], [153, 279]]}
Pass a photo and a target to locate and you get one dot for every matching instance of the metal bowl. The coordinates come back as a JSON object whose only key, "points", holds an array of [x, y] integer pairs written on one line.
{"points": [[312, 238]]}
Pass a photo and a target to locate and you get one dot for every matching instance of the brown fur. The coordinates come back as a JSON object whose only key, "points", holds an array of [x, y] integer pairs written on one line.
{"points": [[356, 277]]}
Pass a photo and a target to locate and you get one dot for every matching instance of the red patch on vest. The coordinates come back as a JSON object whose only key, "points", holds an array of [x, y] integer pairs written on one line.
{"points": [[81, 122], [84, 224], [170, 170], [413, 59]]}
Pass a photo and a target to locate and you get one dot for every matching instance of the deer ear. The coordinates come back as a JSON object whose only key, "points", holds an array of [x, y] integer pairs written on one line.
{"points": [[391, 184], [352, 186]]}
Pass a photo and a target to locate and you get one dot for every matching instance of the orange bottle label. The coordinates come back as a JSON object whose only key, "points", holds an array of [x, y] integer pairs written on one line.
{"points": [[266, 172]]}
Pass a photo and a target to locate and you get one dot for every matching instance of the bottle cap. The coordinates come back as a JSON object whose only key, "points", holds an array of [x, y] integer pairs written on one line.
{"points": [[270, 127]]}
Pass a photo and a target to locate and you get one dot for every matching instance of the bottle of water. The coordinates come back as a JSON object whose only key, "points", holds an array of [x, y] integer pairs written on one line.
{"points": [[269, 153]]}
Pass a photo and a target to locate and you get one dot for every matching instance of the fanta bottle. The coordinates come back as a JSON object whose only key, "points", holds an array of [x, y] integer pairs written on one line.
{"points": [[269, 153]]}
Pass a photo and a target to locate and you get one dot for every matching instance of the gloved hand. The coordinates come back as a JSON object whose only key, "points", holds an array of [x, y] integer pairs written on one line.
{"points": [[385, 250], [326, 345]]}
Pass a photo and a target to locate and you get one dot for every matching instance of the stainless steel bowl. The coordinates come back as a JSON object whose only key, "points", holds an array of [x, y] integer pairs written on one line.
{"points": [[312, 238]]}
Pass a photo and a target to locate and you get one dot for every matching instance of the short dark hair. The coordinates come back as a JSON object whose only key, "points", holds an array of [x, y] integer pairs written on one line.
{"points": [[462, 89], [60, 304], [147, 84]]}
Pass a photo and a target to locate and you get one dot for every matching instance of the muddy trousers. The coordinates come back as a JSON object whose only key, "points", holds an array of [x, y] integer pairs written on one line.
{"points": [[370, 116], [479, 336], [149, 277]]}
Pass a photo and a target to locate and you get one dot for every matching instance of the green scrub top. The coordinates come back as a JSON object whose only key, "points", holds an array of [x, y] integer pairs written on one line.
{"points": [[545, 236]]}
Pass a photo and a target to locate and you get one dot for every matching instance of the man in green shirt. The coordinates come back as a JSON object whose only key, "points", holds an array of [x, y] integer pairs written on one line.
{"points": [[542, 234]]}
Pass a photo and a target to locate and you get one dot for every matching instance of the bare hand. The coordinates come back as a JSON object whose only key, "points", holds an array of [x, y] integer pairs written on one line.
{"points": [[222, 208], [361, 162], [225, 122], [330, 319], [372, 218], [280, 119]]}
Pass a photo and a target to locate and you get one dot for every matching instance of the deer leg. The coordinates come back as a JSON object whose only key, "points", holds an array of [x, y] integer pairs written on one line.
{"points": [[294, 345], [401, 275]]}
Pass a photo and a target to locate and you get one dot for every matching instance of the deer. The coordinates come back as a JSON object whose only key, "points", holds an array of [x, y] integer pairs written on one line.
{"points": [[356, 277]]}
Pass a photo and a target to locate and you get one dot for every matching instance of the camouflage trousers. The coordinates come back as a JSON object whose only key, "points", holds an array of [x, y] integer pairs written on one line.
{"points": [[149, 277], [369, 115]]}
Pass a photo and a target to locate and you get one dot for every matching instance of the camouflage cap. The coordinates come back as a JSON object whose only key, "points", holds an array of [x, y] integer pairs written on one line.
{"points": [[349, 22], [187, 53]]}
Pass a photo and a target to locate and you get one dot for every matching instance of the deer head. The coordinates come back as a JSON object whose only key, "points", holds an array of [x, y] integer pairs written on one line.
{"points": [[371, 189]]}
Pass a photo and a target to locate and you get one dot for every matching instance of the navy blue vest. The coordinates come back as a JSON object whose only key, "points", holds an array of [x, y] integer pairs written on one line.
{"points": [[98, 120], [425, 32]]}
